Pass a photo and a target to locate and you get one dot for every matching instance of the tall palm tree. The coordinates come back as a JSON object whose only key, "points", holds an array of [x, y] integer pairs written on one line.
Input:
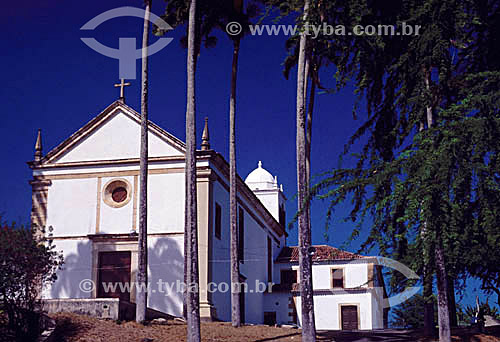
{"points": [[305, 265], [191, 224], [235, 262], [235, 14], [142, 271], [209, 16], [313, 62]]}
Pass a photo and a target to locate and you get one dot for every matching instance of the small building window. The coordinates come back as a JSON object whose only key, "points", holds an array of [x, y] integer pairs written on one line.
{"points": [[117, 193], [288, 277], [282, 215], [337, 277], [218, 221], [269, 260], [241, 236]]}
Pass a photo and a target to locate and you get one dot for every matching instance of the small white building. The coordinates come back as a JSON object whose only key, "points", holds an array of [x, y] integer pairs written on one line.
{"points": [[87, 189], [348, 290]]}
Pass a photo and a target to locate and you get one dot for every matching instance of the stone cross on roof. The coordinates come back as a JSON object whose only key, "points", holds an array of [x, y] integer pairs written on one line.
{"points": [[122, 85]]}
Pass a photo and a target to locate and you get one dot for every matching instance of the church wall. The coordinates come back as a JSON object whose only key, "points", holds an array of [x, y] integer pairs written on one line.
{"points": [[166, 201], [76, 269], [166, 274], [220, 254], [79, 205], [115, 220], [71, 207], [270, 200], [254, 269], [277, 271], [279, 303]]}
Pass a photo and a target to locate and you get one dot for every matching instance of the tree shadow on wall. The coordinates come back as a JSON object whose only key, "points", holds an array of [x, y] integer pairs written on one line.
{"points": [[165, 274]]}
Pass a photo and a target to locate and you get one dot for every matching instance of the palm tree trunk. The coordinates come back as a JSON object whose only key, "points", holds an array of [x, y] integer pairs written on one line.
{"points": [[306, 74], [142, 269], [191, 225], [305, 264], [235, 263], [197, 49], [310, 108]]}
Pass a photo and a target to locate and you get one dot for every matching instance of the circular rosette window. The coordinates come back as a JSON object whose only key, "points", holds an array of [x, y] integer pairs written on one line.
{"points": [[117, 193]]}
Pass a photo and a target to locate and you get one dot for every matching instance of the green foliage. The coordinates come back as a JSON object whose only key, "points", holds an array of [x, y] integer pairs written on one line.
{"points": [[210, 16], [409, 172], [25, 266]]}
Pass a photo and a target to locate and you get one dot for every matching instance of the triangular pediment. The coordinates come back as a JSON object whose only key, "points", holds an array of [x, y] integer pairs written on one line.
{"points": [[114, 135]]}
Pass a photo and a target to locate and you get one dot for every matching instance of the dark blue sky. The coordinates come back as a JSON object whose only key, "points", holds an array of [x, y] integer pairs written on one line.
{"points": [[53, 81]]}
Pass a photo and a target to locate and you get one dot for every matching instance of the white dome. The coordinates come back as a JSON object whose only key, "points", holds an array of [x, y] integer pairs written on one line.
{"points": [[260, 179]]}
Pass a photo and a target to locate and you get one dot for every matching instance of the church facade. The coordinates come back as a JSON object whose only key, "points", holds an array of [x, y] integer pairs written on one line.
{"points": [[86, 190]]}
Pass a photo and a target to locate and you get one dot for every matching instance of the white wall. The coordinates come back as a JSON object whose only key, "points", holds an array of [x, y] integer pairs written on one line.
{"points": [[166, 263], [270, 200], [117, 139], [278, 302], [165, 203], [327, 305], [378, 306], [221, 259], [71, 206], [115, 220], [355, 275], [77, 268], [73, 211], [254, 267], [327, 310]]}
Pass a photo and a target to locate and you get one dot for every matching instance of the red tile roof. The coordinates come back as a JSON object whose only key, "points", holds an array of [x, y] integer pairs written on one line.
{"points": [[322, 253]]}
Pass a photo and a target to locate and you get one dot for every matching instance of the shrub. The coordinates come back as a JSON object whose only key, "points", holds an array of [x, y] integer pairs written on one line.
{"points": [[26, 265]]}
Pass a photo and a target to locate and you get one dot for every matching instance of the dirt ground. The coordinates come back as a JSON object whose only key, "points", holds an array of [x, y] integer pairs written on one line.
{"points": [[77, 328]]}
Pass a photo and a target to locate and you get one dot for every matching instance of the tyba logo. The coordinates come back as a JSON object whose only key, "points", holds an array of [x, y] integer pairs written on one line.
{"points": [[127, 52]]}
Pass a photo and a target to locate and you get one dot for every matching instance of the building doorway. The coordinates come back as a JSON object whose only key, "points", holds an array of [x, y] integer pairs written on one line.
{"points": [[349, 317], [113, 276], [242, 280]]}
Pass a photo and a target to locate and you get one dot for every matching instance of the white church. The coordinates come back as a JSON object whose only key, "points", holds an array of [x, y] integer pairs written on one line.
{"points": [[86, 190]]}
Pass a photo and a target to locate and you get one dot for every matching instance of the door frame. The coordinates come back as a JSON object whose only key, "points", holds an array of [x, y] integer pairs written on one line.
{"points": [[357, 305], [114, 246]]}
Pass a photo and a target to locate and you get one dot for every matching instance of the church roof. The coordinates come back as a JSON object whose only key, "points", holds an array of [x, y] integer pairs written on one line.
{"points": [[261, 179], [101, 119], [322, 253]]}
